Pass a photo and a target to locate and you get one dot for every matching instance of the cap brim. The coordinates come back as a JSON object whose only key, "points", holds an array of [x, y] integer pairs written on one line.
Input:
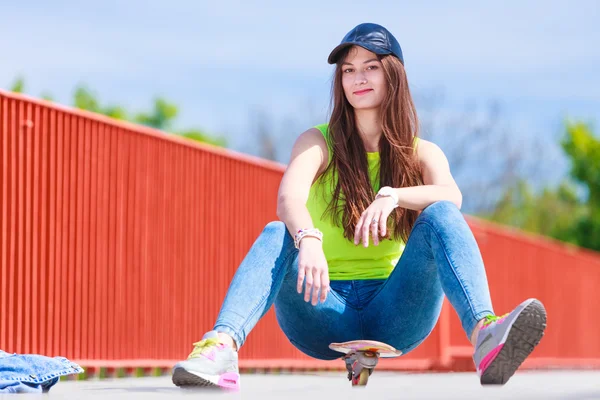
{"points": [[333, 56]]}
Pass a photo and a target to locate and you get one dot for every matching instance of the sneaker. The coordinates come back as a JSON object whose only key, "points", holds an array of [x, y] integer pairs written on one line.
{"points": [[504, 342], [211, 364]]}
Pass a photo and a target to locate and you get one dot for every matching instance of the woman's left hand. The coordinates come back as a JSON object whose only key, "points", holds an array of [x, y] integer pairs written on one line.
{"points": [[374, 220]]}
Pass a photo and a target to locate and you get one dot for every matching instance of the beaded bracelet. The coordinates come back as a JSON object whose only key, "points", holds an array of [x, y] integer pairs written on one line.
{"points": [[312, 232]]}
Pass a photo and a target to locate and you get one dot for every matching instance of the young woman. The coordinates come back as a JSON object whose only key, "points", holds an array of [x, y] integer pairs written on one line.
{"points": [[370, 240]]}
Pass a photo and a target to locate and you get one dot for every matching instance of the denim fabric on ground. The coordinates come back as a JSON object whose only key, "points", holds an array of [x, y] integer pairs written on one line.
{"points": [[31, 373]]}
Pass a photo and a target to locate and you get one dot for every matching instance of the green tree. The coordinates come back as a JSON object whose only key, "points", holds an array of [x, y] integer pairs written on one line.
{"points": [[162, 116], [569, 212], [200, 136], [47, 97], [549, 212], [583, 150], [85, 99], [18, 85]]}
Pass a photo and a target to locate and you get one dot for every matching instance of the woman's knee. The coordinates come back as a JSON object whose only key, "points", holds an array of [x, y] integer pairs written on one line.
{"points": [[444, 212], [276, 230], [275, 227]]}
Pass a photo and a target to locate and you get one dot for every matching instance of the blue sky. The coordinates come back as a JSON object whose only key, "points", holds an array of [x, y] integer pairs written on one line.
{"points": [[220, 60]]}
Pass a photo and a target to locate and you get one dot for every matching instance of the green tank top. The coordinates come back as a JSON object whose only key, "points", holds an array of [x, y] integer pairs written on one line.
{"points": [[345, 260]]}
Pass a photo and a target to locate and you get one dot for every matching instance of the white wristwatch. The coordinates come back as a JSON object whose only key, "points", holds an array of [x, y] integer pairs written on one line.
{"points": [[387, 191]]}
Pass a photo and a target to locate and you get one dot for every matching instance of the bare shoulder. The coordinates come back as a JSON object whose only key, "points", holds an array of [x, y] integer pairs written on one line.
{"points": [[427, 150], [426, 145], [311, 143], [308, 160], [313, 137]]}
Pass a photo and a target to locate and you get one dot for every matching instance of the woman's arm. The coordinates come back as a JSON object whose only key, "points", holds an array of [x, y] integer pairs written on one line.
{"points": [[308, 160], [438, 183]]}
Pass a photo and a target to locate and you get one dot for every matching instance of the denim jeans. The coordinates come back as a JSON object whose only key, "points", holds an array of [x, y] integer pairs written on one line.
{"points": [[441, 257], [32, 373]]}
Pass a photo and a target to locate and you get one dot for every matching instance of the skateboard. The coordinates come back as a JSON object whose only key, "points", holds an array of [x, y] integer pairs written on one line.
{"points": [[361, 358]]}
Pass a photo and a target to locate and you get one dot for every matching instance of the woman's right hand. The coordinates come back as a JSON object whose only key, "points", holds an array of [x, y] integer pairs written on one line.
{"points": [[312, 267]]}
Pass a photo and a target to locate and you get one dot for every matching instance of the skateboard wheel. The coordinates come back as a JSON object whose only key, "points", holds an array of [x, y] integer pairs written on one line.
{"points": [[362, 379]]}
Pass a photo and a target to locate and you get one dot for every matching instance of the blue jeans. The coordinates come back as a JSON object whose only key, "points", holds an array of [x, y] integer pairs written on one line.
{"points": [[441, 257], [32, 373]]}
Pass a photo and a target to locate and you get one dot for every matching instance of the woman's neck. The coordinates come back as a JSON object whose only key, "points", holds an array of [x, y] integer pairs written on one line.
{"points": [[369, 128]]}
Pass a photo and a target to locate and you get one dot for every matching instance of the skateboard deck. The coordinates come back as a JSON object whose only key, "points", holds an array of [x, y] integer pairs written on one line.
{"points": [[384, 350]]}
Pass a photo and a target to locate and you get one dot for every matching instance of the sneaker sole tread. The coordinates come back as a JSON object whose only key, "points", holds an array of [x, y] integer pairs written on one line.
{"points": [[525, 334], [185, 379]]}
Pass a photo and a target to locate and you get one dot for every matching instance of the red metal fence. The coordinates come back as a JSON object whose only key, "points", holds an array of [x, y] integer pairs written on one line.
{"points": [[118, 243]]}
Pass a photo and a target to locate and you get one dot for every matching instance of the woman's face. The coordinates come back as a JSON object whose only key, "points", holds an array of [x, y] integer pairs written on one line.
{"points": [[363, 79]]}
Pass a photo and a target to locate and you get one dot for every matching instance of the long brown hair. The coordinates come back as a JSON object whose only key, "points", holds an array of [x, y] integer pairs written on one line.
{"points": [[399, 167]]}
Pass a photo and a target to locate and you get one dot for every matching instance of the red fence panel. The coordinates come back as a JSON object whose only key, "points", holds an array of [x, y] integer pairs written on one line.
{"points": [[565, 278], [118, 243]]}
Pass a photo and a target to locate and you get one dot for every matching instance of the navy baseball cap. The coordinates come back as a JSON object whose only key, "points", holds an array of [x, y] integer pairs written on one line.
{"points": [[372, 37]]}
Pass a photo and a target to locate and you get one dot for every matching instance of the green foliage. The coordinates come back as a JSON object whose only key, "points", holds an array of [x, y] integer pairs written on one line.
{"points": [[583, 149], [115, 112], [561, 212], [18, 85], [200, 136], [162, 116], [548, 213], [47, 97], [86, 100]]}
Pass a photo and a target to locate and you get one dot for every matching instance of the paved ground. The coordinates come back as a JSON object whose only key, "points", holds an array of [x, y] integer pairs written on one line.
{"points": [[382, 385]]}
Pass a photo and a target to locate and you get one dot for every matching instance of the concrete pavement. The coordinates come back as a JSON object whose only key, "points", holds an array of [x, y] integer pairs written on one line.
{"points": [[568, 385]]}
